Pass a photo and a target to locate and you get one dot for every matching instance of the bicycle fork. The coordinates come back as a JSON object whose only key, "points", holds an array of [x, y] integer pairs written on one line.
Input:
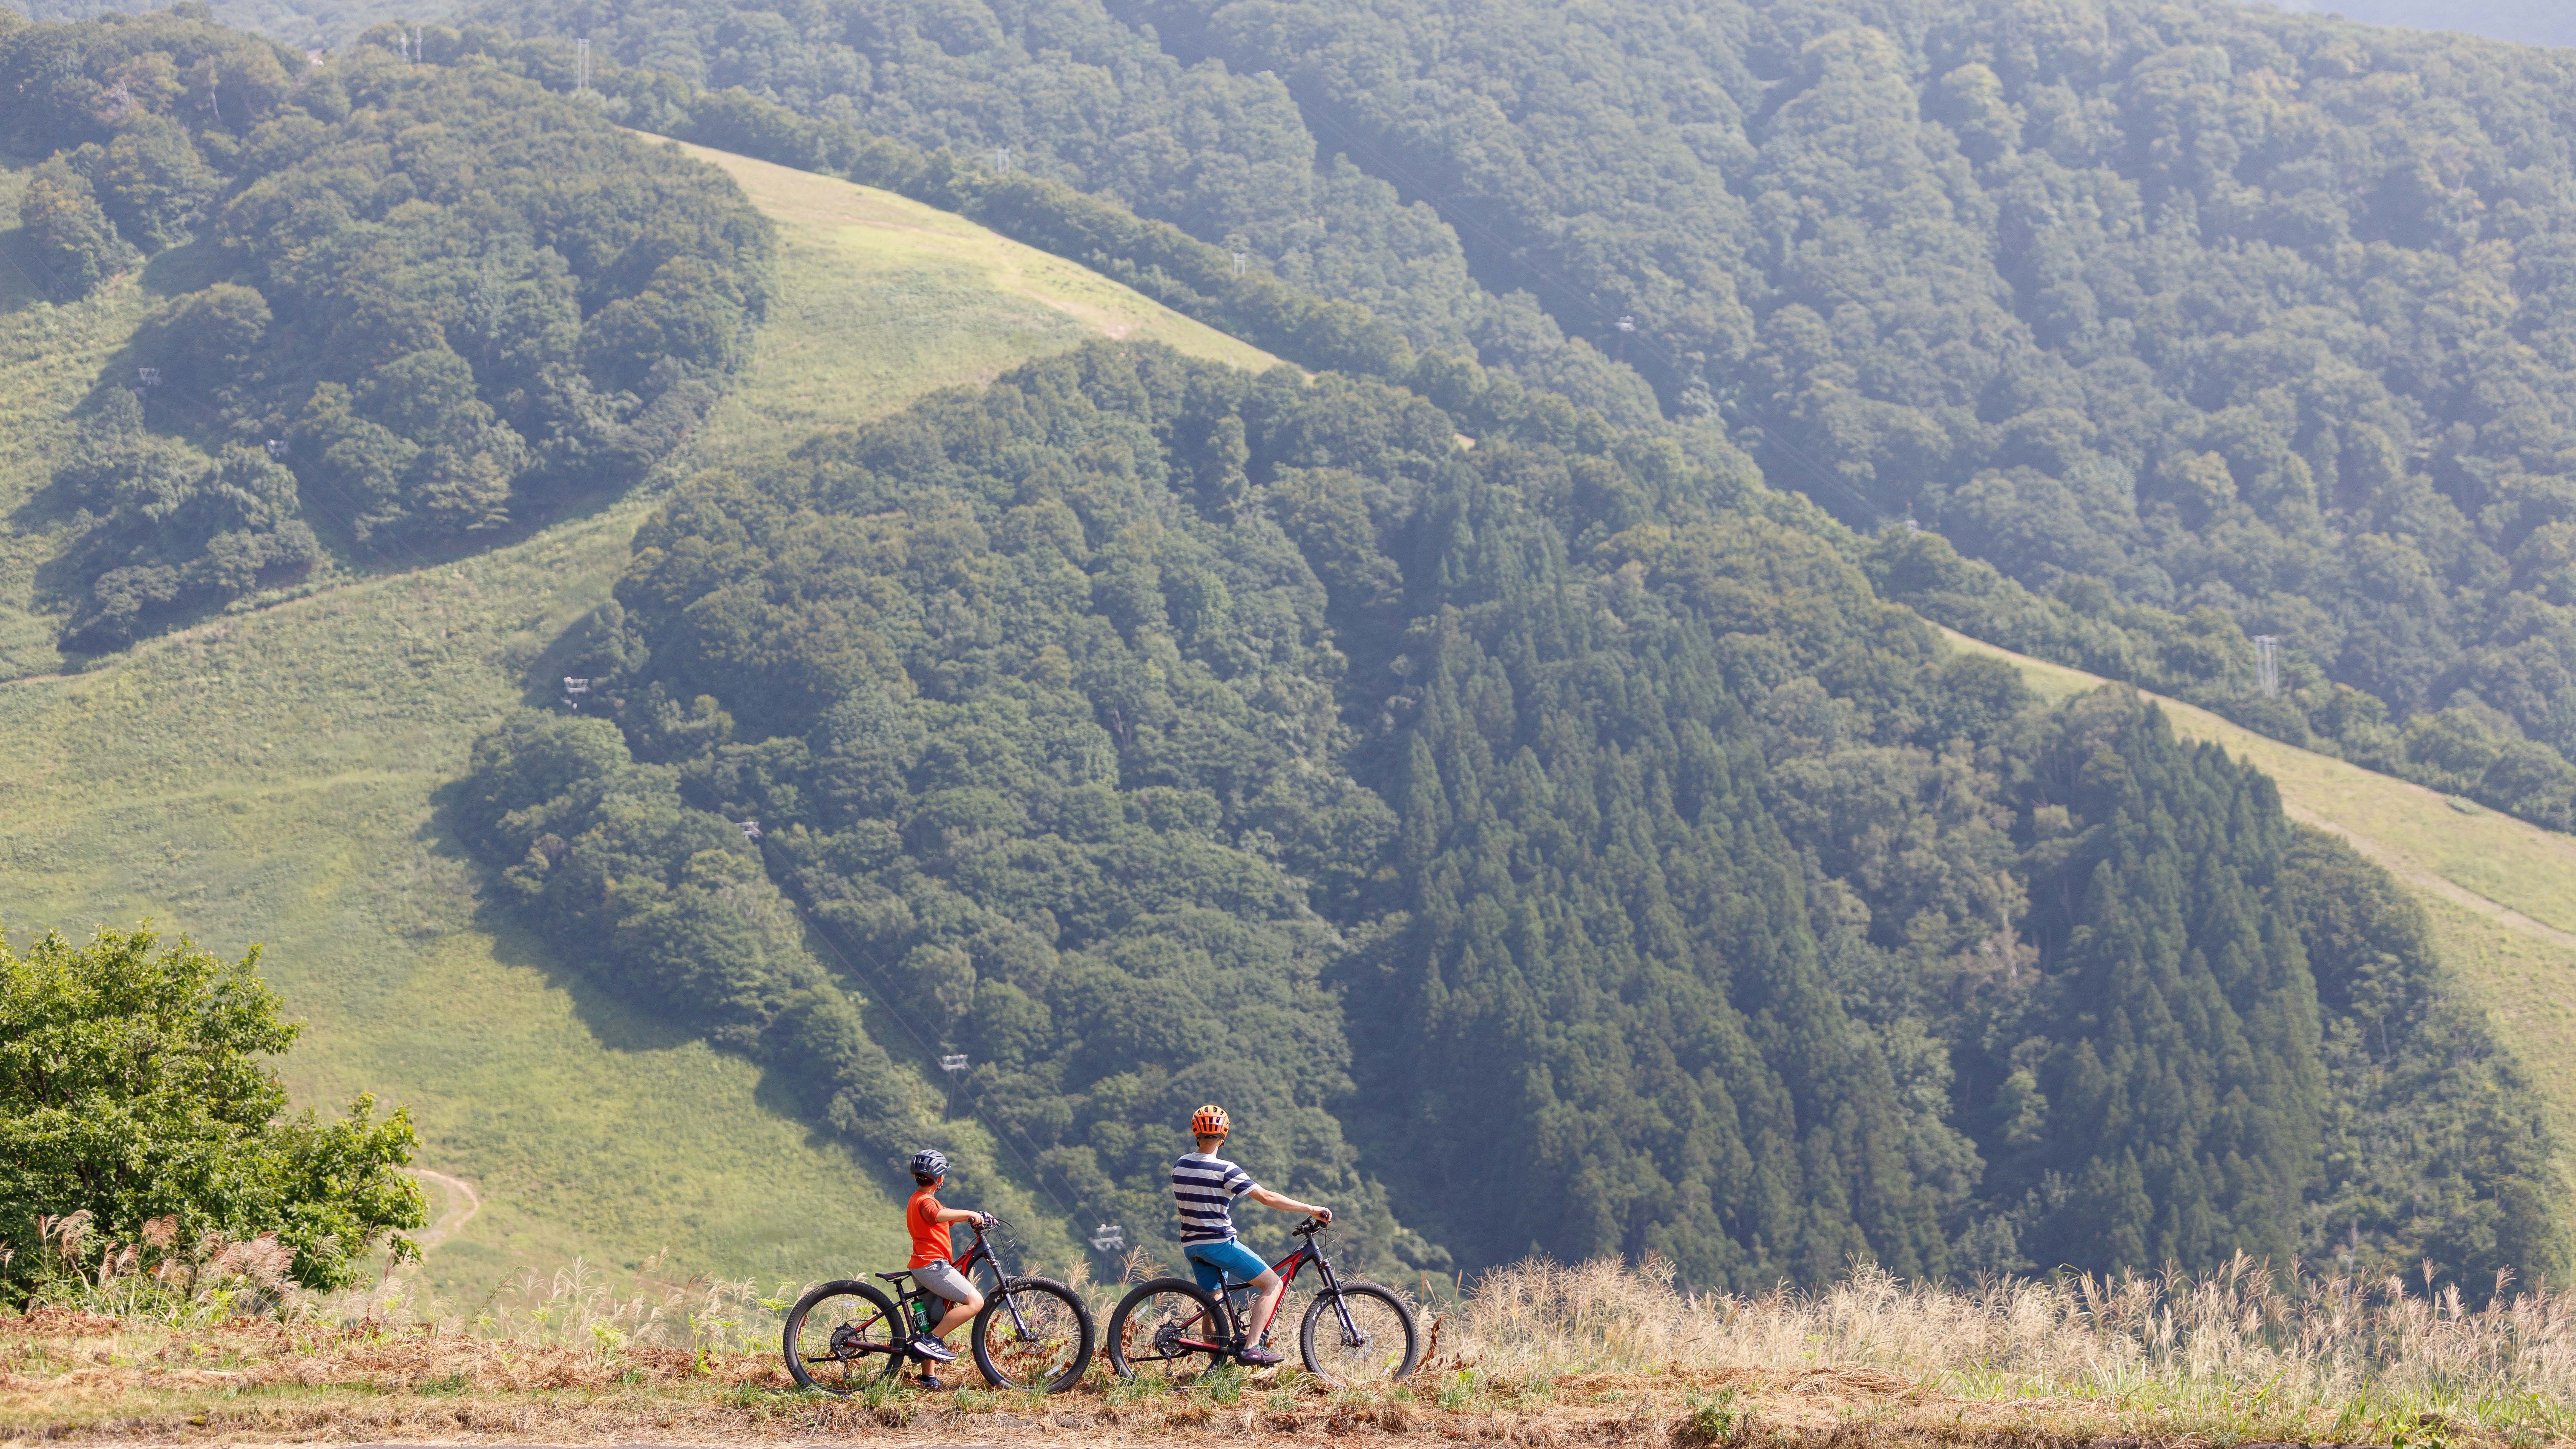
{"points": [[1018, 1324], [1351, 1335]]}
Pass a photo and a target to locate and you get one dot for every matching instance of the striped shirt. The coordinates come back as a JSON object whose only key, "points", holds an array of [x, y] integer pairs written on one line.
{"points": [[1204, 1188]]}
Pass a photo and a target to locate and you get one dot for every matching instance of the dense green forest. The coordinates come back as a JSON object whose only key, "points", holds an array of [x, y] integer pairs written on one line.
{"points": [[419, 303], [2198, 322], [300, 24], [1071, 94], [1554, 838]]}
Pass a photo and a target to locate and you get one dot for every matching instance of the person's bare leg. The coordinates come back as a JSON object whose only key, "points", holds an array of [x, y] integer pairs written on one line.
{"points": [[1272, 1290], [957, 1314]]}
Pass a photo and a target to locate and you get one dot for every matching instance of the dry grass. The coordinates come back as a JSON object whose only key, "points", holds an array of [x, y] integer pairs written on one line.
{"points": [[1538, 1354]]}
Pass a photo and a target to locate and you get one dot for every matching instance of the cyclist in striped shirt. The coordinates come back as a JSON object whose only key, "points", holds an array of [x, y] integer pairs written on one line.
{"points": [[1204, 1187]]}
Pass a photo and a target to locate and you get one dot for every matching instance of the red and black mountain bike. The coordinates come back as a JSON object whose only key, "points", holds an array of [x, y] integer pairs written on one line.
{"points": [[1032, 1333], [1352, 1333]]}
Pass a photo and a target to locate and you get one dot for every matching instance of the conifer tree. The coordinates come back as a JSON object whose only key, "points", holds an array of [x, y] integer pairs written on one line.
{"points": [[2185, 1090]]}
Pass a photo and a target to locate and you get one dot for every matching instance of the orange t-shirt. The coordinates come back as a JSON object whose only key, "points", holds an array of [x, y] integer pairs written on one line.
{"points": [[929, 1234]]}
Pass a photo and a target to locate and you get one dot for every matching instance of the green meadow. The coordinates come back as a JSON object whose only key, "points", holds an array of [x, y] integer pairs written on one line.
{"points": [[271, 777]]}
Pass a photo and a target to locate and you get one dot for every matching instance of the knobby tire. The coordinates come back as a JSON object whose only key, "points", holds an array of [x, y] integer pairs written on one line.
{"points": [[1150, 1317], [1392, 1344], [844, 1350], [1058, 1349]]}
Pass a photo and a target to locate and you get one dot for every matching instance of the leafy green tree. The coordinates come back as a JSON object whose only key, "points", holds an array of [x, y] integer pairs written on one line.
{"points": [[155, 184], [132, 1086], [72, 237]]}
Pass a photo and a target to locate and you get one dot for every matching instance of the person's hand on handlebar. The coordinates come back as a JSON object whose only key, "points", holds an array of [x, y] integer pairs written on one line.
{"points": [[988, 1222]]}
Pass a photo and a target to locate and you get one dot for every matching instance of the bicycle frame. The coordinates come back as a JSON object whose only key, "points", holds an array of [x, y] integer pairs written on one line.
{"points": [[1287, 1268], [983, 1252]]}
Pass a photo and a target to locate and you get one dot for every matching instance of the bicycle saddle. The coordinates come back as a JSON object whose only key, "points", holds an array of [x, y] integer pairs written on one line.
{"points": [[897, 1276]]}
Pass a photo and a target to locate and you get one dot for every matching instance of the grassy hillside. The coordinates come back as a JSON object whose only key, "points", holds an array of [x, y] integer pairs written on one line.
{"points": [[272, 777], [49, 356], [2502, 893]]}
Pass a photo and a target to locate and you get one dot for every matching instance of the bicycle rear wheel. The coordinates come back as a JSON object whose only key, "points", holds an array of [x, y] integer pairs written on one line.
{"points": [[1166, 1331], [1033, 1333], [842, 1337], [1377, 1344]]}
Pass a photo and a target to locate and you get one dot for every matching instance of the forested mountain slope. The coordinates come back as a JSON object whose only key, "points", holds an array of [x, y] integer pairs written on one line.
{"points": [[1548, 829], [275, 776], [2498, 894], [1546, 842], [300, 25], [2201, 321], [402, 308]]}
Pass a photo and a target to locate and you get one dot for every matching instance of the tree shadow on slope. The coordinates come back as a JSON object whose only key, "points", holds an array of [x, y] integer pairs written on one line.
{"points": [[628, 1016]]}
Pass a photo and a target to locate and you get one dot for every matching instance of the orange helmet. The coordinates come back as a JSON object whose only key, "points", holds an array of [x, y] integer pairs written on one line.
{"points": [[1208, 1121]]}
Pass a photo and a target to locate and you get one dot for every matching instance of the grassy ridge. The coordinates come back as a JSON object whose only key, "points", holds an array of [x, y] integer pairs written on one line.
{"points": [[2501, 893], [272, 776], [1535, 1353]]}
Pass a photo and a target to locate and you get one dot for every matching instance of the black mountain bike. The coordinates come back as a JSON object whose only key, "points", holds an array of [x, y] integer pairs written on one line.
{"points": [[1032, 1333], [1352, 1333]]}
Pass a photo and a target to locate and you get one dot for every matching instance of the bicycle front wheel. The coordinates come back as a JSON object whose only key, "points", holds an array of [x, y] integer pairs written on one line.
{"points": [[1166, 1331], [1033, 1333], [1362, 1335], [842, 1337]]}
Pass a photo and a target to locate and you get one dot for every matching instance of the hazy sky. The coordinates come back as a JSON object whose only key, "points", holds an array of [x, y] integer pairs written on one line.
{"points": [[2544, 22]]}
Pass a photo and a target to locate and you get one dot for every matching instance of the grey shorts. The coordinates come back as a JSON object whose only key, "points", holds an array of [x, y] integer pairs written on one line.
{"points": [[944, 1280]]}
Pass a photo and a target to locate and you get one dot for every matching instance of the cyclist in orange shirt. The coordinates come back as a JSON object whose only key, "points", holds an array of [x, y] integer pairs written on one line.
{"points": [[933, 1262]]}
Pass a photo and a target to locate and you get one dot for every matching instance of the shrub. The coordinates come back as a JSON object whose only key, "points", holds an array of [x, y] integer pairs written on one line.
{"points": [[132, 1090]]}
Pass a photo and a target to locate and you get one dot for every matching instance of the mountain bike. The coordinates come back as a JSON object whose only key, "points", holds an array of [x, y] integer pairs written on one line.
{"points": [[1352, 1333], [1032, 1333]]}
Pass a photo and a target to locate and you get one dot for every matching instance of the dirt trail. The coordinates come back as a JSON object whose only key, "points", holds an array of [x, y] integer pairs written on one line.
{"points": [[463, 1202], [2398, 864]]}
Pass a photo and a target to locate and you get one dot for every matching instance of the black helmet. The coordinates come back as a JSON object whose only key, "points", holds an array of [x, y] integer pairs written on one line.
{"points": [[928, 1163]]}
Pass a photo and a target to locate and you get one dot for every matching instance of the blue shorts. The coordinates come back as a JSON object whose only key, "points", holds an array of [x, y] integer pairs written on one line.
{"points": [[1213, 1263]]}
